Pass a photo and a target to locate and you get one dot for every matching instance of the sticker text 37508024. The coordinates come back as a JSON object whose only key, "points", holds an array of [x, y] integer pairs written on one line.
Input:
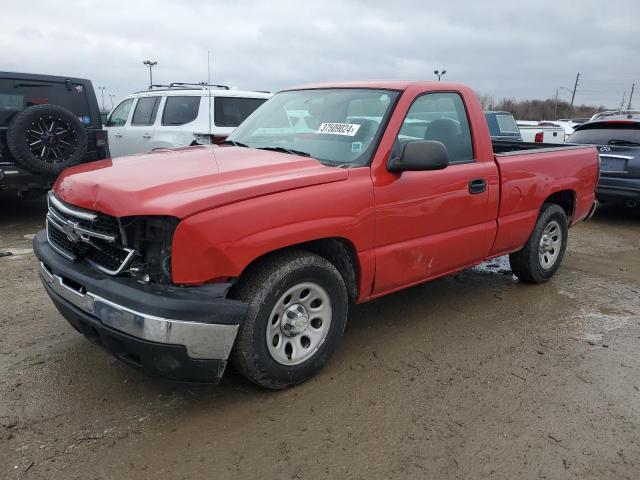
{"points": [[348, 129]]}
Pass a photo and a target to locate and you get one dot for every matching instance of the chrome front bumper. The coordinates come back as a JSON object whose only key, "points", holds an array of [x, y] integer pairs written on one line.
{"points": [[205, 341]]}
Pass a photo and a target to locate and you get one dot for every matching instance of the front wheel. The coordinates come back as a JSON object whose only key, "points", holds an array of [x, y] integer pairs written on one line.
{"points": [[542, 255], [297, 314]]}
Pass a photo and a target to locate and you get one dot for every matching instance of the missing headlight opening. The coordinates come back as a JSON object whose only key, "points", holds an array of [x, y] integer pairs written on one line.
{"points": [[151, 238]]}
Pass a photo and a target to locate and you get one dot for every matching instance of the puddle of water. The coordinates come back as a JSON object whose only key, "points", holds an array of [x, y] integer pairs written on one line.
{"points": [[606, 307], [608, 323], [592, 337]]}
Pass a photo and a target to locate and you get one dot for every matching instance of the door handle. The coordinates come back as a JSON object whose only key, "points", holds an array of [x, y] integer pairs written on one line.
{"points": [[118, 135], [146, 135], [477, 185]]}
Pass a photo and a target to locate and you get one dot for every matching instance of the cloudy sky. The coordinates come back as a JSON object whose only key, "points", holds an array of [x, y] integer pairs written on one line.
{"points": [[506, 49]]}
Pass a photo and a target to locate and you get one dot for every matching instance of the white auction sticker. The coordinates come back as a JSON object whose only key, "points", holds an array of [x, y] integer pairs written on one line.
{"points": [[348, 129]]}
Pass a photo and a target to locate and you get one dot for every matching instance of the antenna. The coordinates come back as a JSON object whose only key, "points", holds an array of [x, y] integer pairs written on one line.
{"points": [[209, 83]]}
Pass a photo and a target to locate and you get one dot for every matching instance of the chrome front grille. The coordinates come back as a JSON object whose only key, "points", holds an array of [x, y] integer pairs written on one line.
{"points": [[83, 235]]}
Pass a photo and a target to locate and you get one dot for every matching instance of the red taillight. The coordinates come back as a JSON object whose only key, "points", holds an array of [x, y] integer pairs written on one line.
{"points": [[101, 138], [539, 138]]}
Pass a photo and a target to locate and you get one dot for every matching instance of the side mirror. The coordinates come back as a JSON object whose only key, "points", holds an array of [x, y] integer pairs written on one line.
{"points": [[419, 155]]}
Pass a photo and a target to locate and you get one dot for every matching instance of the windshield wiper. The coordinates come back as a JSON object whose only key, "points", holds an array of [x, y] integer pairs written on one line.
{"points": [[336, 164], [617, 141], [234, 143], [285, 150]]}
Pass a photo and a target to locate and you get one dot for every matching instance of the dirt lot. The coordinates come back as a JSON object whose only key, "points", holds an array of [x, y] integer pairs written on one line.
{"points": [[472, 376]]}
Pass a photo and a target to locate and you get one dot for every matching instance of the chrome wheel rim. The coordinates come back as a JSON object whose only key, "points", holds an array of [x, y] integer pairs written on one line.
{"points": [[299, 323], [550, 245]]}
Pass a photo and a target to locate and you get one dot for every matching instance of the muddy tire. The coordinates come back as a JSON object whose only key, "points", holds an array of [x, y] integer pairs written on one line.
{"points": [[297, 314], [542, 255], [47, 139]]}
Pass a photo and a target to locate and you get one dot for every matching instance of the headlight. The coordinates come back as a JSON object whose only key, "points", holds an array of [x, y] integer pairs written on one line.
{"points": [[151, 238]]}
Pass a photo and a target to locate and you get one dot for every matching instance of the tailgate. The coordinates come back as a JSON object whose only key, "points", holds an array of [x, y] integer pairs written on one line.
{"points": [[619, 161]]}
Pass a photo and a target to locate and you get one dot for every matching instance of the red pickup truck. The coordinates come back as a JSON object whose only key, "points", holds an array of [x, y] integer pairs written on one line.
{"points": [[180, 260]]}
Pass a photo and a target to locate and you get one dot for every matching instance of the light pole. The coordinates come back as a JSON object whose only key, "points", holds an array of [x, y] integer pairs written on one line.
{"points": [[111, 97], [150, 64], [439, 73], [102, 94]]}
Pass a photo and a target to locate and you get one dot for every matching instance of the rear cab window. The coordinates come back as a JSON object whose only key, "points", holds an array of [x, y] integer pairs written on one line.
{"points": [[440, 117], [180, 110], [17, 95], [232, 111], [507, 124], [146, 110]]}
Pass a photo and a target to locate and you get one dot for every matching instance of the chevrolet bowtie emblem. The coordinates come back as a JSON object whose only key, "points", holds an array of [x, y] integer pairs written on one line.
{"points": [[70, 231]]}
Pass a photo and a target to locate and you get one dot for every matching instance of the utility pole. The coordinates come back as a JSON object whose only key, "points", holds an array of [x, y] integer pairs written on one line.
{"points": [[633, 86], [150, 64], [102, 93], [575, 87], [111, 97], [556, 104], [624, 94]]}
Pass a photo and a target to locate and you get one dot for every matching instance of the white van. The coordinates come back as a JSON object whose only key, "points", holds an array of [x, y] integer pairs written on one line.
{"points": [[178, 115]]}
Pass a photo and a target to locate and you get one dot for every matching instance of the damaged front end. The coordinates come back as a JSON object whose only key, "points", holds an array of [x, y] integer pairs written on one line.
{"points": [[151, 239], [139, 247], [111, 279]]}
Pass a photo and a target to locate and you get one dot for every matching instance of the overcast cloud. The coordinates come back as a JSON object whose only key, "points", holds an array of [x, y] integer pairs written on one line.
{"points": [[506, 49]]}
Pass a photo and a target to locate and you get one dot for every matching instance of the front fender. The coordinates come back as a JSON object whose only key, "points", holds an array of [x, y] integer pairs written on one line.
{"points": [[222, 242]]}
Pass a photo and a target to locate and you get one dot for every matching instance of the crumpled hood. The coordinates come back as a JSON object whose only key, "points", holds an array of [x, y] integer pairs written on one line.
{"points": [[185, 181]]}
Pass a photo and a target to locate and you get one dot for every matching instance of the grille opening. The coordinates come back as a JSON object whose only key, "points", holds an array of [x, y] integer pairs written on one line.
{"points": [[78, 237], [102, 224], [73, 285]]}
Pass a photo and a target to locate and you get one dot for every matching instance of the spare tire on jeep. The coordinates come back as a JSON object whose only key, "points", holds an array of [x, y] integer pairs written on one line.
{"points": [[47, 139]]}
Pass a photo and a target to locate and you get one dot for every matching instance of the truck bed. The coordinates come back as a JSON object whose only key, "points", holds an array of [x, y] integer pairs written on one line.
{"points": [[502, 147], [530, 173]]}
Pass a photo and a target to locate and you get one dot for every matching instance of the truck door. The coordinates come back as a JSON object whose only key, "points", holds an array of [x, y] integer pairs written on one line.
{"points": [[433, 222]]}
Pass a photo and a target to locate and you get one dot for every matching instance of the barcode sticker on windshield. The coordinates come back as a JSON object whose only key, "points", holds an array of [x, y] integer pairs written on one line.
{"points": [[348, 129]]}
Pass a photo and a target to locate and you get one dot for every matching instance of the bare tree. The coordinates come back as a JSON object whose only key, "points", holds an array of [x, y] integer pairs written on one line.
{"points": [[542, 109]]}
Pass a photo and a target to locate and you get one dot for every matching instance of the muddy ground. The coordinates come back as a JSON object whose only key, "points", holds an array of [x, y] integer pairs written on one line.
{"points": [[472, 376]]}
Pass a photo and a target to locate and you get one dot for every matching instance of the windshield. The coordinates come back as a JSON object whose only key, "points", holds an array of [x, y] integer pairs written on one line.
{"points": [[339, 126]]}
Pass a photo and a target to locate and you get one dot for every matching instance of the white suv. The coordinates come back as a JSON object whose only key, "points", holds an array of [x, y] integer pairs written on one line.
{"points": [[178, 115]]}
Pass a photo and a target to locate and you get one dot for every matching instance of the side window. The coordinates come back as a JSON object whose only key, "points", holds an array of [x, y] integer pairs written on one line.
{"points": [[145, 112], [440, 117], [180, 110], [120, 114], [231, 111]]}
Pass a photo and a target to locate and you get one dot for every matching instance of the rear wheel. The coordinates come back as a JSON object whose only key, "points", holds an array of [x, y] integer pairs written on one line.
{"points": [[297, 314], [542, 255]]}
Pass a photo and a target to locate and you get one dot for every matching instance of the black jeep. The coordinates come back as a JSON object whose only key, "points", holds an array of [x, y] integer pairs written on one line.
{"points": [[47, 124]]}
